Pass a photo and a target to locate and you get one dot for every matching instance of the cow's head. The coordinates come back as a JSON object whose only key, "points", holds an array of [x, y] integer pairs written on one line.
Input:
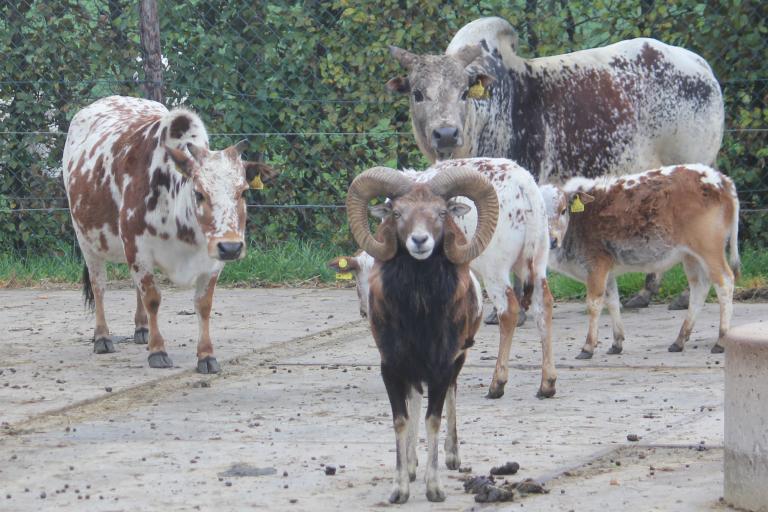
{"points": [[220, 181], [440, 88], [560, 205], [360, 266]]}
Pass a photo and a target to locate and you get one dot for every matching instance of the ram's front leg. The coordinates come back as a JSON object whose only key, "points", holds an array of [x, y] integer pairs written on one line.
{"points": [[397, 390], [206, 362]]}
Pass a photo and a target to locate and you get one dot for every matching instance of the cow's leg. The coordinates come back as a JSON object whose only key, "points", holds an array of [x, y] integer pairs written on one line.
{"points": [[595, 295], [699, 286], [436, 399], [642, 299], [414, 414], [614, 308], [493, 316], [141, 332], [722, 277], [503, 297], [102, 343], [451, 446], [398, 390], [206, 362], [150, 297], [542, 302]]}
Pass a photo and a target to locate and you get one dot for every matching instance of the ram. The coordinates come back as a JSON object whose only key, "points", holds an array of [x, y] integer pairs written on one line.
{"points": [[520, 245], [145, 189], [601, 228], [424, 305]]}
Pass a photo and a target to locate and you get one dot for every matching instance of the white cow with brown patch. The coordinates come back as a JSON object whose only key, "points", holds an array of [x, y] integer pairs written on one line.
{"points": [[145, 189], [601, 228]]}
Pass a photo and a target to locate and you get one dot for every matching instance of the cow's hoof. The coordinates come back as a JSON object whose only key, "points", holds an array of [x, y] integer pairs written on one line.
{"points": [[435, 494], [103, 345], [717, 349], [160, 360], [412, 475], [492, 318], [675, 348], [208, 365], [496, 391], [452, 461], [679, 303], [141, 336], [615, 350], [399, 496], [638, 301], [584, 355], [521, 318], [547, 391]]}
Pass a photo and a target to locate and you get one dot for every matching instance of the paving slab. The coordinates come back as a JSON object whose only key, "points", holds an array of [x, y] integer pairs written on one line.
{"points": [[292, 401]]}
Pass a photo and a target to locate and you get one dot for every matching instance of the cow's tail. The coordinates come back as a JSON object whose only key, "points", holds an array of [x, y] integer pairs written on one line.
{"points": [[88, 298], [535, 224], [733, 249]]}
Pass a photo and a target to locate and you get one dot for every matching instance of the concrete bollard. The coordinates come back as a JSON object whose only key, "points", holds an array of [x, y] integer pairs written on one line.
{"points": [[746, 417]]}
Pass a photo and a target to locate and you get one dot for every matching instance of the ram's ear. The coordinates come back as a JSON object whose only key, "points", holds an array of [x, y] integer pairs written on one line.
{"points": [[184, 164], [458, 209], [381, 210]]}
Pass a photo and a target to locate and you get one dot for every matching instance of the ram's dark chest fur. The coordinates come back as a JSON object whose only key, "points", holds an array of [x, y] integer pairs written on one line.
{"points": [[417, 322]]}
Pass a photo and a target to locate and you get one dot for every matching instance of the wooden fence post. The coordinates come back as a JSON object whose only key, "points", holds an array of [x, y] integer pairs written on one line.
{"points": [[150, 49]]}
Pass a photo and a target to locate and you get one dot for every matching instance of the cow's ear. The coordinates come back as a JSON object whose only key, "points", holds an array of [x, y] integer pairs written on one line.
{"points": [[381, 210], [261, 170], [404, 57], [344, 264], [399, 84], [199, 153], [586, 198], [458, 209], [184, 164], [485, 80]]}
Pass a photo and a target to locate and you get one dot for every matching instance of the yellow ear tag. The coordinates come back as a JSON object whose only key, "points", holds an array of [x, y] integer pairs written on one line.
{"points": [[577, 206], [344, 276], [478, 92], [343, 263], [256, 183]]}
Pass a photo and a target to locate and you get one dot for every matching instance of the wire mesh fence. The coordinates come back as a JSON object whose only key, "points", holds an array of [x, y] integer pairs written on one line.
{"points": [[304, 81]]}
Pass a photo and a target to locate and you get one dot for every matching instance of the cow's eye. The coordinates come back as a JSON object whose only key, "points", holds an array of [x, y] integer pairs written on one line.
{"points": [[417, 96], [443, 213], [562, 212], [199, 197], [244, 194], [464, 95], [396, 215]]}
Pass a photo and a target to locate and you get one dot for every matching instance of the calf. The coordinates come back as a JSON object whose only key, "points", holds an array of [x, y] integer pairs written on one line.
{"points": [[424, 305], [647, 222], [145, 189]]}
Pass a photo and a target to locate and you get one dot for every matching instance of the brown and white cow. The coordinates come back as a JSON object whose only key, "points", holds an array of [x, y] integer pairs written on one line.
{"points": [[601, 228], [624, 108], [145, 189]]}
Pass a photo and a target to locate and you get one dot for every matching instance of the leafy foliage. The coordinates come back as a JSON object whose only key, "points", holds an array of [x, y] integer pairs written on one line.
{"points": [[304, 81]]}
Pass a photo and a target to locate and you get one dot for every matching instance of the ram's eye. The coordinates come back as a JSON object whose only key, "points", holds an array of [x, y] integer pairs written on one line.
{"points": [[417, 96], [464, 95], [199, 197]]}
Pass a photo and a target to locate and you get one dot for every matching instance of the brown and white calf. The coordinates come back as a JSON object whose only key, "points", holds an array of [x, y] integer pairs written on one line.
{"points": [[145, 189], [647, 222]]}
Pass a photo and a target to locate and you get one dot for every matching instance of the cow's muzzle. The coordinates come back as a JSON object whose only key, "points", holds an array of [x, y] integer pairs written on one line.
{"points": [[229, 250], [446, 138]]}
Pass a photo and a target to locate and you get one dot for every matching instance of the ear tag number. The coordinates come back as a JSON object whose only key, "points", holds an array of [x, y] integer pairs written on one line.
{"points": [[344, 276], [256, 183], [577, 206], [479, 92]]}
